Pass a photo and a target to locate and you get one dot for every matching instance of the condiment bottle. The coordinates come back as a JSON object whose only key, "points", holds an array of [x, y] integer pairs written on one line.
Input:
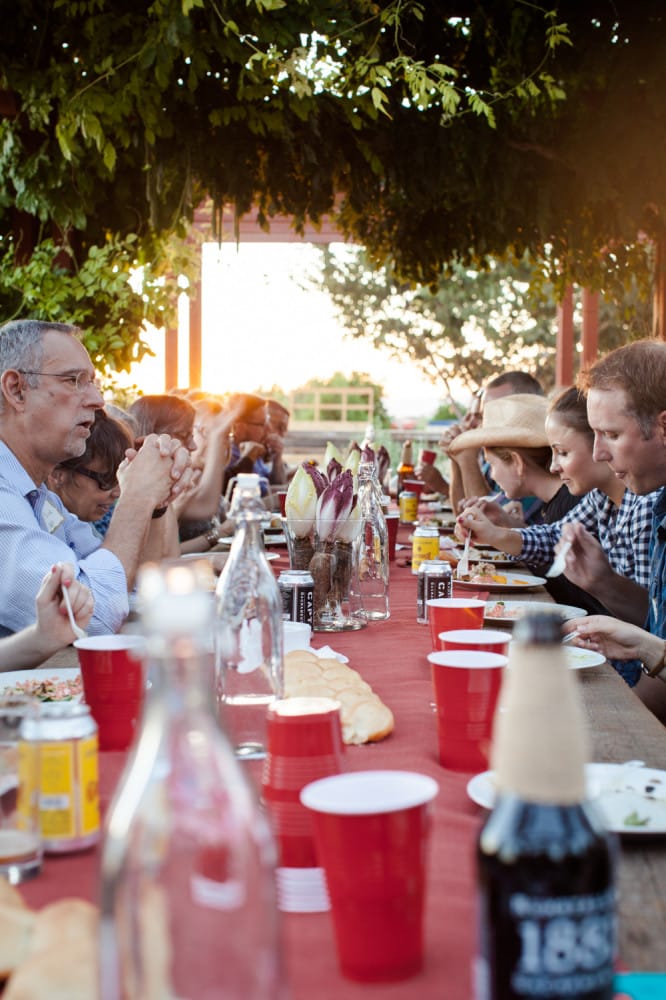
{"points": [[248, 634], [546, 863], [371, 544], [406, 466], [187, 871]]}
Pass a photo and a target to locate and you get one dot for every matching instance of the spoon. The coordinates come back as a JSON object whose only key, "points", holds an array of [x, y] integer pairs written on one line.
{"points": [[559, 563], [76, 629]]}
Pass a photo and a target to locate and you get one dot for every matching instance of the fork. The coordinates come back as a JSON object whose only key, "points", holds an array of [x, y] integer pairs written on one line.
{"points": [[463, 564], [76, 629], [560, 561]]}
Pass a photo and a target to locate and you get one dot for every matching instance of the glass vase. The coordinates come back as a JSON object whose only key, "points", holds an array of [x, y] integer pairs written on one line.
{"points": [[328, 552]]}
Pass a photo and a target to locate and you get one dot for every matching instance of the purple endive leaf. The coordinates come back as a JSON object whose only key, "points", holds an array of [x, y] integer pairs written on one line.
{"points": [[317, 477], [334, 505], [333, 470]]}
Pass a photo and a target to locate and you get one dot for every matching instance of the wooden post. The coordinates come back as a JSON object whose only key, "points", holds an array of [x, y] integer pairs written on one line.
{"points": [[659, 301], [171, 358], [195, 334], [564, 358], [590, 326]]}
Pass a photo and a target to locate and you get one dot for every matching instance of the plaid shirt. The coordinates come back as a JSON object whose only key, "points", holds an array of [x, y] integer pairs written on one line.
{"points": [[623, 532], [656, 622]]}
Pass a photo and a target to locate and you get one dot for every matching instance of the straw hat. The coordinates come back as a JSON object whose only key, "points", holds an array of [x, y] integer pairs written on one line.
{"points": [[517, 421]]}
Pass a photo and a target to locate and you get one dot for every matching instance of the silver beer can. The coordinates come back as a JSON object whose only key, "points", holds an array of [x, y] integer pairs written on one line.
{"points": [[434, 579]]}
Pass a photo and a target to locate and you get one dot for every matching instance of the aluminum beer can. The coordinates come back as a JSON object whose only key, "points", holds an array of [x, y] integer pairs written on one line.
{"points": [[297, 591], [425, 545], [434, 579], [409, 505], [65, 736]]}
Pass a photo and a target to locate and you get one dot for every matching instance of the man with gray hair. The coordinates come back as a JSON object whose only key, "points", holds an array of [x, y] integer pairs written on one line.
{"points": [[48, 399]]}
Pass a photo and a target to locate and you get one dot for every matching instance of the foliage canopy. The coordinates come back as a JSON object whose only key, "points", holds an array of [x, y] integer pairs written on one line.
{"points": [[436, 132]]}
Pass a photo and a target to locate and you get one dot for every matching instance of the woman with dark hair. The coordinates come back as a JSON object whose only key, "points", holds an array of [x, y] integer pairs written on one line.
{"points": [[164, 414], [618, 521], [88, 485]]}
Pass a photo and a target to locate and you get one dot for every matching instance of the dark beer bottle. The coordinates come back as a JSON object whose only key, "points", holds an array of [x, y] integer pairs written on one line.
{"points": [[546, 863]]}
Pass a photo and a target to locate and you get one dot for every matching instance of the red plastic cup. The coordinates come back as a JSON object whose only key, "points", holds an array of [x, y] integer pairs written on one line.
{"points": [[304, 743], [114, 684], [371, 830], [486, 639], [282, 501], [427, 457], [392, 522], [446, 613], [414, 486], [466, 684]]}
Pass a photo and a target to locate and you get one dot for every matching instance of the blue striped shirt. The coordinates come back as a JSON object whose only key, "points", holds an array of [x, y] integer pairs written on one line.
{"points": [[37, 531]]}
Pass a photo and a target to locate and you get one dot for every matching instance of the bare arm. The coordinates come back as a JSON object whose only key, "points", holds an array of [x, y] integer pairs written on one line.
{"points": [[588, 567], [475, 521], [51, 631], [149, 479]]}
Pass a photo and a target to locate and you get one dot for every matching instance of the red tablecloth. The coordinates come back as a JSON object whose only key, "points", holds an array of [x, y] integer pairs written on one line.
{"points": [[391, 656]]}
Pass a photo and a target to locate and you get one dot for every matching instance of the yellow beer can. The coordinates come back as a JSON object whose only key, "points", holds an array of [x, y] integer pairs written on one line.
{"points": [[65, 737]]}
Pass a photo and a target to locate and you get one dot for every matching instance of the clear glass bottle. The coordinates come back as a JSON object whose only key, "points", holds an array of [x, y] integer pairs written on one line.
{"points": [[546, 863], [371, 543], [248, 634], [187, 873]]}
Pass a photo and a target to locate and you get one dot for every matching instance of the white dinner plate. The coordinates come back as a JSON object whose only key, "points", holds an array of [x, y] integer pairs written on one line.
{"points": [[579, 659], [630, 797], [507, 581], [9, 681], [510, 611], [225, 543]]}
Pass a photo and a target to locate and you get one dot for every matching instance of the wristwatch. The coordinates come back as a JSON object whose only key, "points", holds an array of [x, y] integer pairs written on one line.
{"points": [[659, 670], [212, 536]]}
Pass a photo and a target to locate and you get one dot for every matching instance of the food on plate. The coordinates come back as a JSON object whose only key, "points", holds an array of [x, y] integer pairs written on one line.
{"points": [[49, 689], [364, 716], [500, 610], [483, 572]]}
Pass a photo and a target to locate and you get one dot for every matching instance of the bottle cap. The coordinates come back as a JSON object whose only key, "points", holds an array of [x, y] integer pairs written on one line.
{"points": [[539, 626]]}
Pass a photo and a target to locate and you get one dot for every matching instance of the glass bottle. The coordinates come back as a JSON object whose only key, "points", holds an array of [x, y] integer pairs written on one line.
{"points": [[248, 634], [406, 466], [546, 863], [371, 543], [188, 905]]}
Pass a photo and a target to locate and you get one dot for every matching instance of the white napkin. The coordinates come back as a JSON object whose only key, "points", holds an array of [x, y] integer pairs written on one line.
{"points": [[326, 653]]}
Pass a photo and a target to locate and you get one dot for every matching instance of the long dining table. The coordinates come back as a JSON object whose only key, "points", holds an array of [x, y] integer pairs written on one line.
{"points": [[392, 657]]}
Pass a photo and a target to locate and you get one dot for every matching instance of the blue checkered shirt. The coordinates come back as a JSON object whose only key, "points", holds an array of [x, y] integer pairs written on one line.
{"points": [[656, 621], [623, 532]]}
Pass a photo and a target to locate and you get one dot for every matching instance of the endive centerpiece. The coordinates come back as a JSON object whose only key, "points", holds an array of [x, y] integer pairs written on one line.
{"points": [[321, 522]]}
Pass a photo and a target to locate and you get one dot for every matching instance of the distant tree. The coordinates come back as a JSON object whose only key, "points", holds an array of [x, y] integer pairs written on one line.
{"points": [[473, 325]]}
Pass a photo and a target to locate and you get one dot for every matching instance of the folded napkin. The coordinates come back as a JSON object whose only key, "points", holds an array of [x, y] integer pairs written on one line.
{"points": [[326, 653]]}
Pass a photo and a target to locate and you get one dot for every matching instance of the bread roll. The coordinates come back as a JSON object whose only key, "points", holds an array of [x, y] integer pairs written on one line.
{"points": [[363, 716], [17, 925], [62, 959]]}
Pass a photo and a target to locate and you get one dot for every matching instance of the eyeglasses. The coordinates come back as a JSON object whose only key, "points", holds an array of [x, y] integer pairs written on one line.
{"points": [[79, 381], [104, 483]]}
